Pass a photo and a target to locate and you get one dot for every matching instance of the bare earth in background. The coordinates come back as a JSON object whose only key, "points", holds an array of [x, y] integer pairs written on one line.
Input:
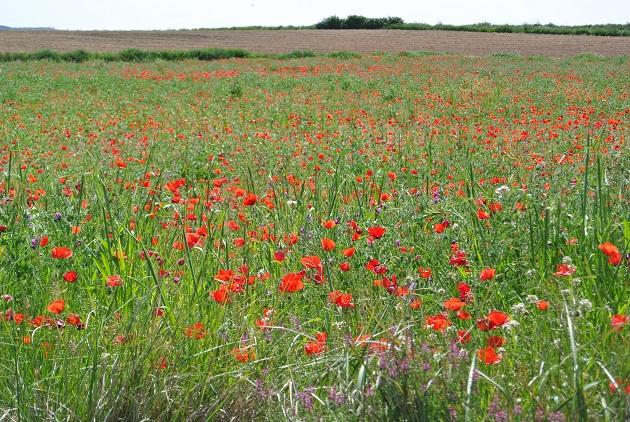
{"points": [[280, 41]]}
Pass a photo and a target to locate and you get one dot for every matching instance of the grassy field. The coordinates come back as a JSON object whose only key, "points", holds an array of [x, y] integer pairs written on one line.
{"points": [[416, 237]]}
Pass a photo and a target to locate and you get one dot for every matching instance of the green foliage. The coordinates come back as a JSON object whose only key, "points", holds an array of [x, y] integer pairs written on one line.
{"points": [[296, 54], [419, 53], [620, 30], [331, 22], [133, 55], [77, 56], [344, 55], [129, 55], [361, 22], [217, 54], [46, 55], [358, 22]]}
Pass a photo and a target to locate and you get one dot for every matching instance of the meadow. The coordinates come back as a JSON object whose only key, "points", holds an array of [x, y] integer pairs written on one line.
{"points": [[382, 237]]}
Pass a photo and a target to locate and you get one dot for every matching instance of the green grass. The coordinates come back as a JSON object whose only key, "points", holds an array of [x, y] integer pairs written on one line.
{"points": [[128, 55], [91, 155]]}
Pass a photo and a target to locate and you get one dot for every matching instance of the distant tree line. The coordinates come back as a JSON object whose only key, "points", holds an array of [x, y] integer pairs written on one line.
{"points": [[358, 22], [361, 22]]}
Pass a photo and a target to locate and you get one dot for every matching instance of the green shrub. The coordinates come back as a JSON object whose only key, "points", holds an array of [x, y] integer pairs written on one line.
{"points": [[45, 55], [218, 53], [132, 55], [345, 55], [78, 56], [358, 22], [331, 22], [297, 54]]}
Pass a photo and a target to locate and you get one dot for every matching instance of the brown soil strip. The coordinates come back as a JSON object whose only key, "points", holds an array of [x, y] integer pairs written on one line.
{"points": [[280, 41]]}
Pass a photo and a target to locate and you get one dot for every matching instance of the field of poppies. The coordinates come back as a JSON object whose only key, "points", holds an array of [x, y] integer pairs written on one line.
{"points": [[387, 237]]}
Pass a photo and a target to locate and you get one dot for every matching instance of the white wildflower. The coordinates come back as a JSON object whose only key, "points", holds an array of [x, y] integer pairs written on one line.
{"points": [[585, 304], [518, 308], [501, 190], [511, 324]]}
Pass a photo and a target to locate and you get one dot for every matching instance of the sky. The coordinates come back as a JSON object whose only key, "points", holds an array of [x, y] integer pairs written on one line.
{"points": [[180, 14]]}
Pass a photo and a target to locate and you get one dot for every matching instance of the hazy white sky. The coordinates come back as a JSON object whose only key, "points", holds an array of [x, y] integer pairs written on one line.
{"points": [[168, 14]]}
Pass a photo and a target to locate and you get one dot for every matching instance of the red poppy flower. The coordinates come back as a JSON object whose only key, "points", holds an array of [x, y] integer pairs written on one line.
{"points": [[113, 281], [344, 266], [425, 272], [193, 239], [611, 251], [495, 341], [61, 252], [459, 259], [43, 241], [314, 348], [542, 305], [329, 224], [390, 284], [243, 354], [482, 215], [318, 346], [292, 282], [497, 319], [349, 252], [489, 356], [618, 321], [328, 244], [376, 232], [613, 386], [438, 322], [564, 270], [415, 303], [70, 276], [464, 291], [56, 307], [313, 262], [376, 267], [279, 256], [454, 304], [439, 228], [18, 318], [221, 295], [463, 315], [487, 274], [343, 300], [73, 319], [250, 199], [495, 207]]}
